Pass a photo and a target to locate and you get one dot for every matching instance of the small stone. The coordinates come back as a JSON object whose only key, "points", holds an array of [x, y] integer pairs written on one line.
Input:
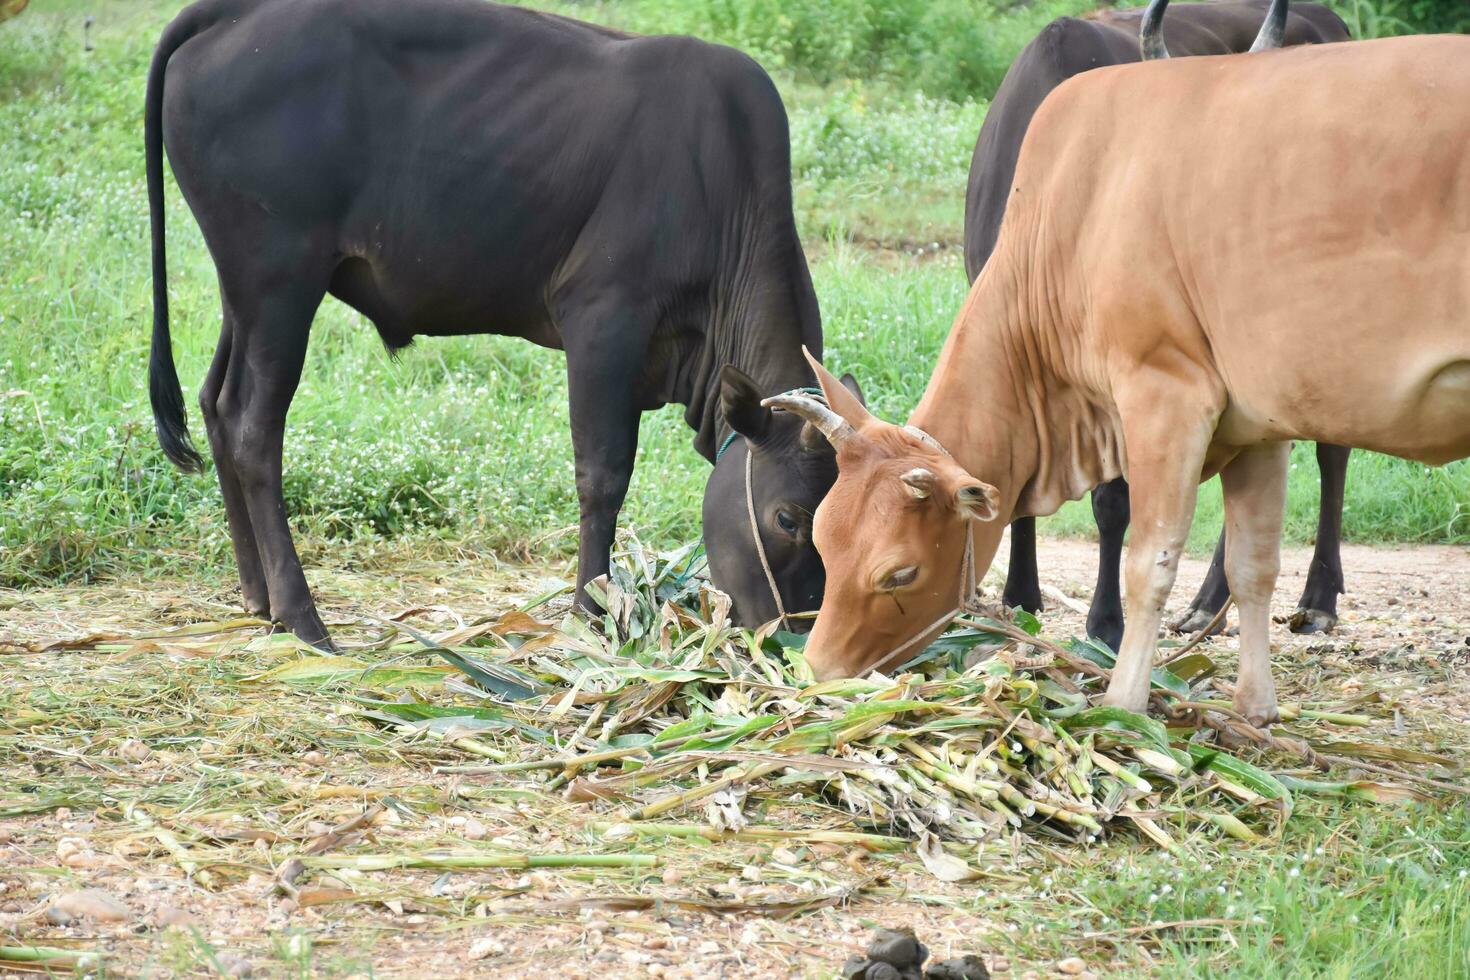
{"points": [[168, 917], [1072, 966], [134, 751], [313, 758], [598, 925], [752, 872], [708, 948], [63, 813], [235, 965], [92, 903], [485, 947], [672, 876], [474, 830], [784, 856], [656, 942]]}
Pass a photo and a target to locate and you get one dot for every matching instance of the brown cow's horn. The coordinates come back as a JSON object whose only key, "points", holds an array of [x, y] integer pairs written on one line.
{"points": [[1273, 30], [1151, 32], [837, 429]]}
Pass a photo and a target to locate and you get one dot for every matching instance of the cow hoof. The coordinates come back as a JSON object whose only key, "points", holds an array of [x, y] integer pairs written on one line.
{"points": [[1312, 621], [1193, 620], [1261, 714], [1029, 601], [1109, 633]]}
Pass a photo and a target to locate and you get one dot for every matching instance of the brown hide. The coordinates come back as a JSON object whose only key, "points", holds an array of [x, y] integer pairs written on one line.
{"points": [[1178, 290]]}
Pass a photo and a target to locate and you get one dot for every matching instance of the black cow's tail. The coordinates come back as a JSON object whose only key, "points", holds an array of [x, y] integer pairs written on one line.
{"points": [[163, 379]]}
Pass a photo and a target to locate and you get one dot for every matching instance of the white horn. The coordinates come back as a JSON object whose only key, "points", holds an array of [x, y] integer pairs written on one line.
{"points": [[837, 429]]}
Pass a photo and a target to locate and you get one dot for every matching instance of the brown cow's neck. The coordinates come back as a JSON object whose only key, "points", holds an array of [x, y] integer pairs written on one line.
{"points": [[1009, 397]]}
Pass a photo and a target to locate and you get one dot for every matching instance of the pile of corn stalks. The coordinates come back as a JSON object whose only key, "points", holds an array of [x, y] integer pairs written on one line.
{"points": [[663, 708]]}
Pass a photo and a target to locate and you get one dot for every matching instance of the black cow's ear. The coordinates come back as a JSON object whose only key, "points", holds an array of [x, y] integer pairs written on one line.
{"points": [[740, 403], [850, 383], [811, 439]]}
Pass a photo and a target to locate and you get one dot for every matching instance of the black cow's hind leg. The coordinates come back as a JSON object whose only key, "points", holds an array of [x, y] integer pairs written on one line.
{"points": [[1110, 510], [605, 351], [1023, 583], [1210, 598], [242, 535], [1317, 611], [272, 325]]}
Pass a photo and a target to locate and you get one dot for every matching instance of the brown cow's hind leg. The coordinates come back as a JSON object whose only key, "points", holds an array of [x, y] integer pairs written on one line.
{"points": [[1255, 501]]}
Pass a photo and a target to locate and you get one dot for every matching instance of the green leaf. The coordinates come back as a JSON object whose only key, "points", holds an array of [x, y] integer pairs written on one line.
{"points": [[504, 681], [1253, 778], [1107, 717]]}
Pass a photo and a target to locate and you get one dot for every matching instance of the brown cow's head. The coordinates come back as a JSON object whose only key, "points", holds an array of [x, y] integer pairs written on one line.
{"points": [[791, 469], [891, 534]]}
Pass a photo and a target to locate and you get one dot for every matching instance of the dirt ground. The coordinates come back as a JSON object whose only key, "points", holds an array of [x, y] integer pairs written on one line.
{"points": [[1405, 624]]}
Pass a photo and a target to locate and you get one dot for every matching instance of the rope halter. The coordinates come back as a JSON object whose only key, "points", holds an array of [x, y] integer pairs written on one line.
{"points": [[755, 528]]}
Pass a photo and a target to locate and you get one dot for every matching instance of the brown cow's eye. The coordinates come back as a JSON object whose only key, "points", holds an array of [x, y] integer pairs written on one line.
{"points": [[899, 579], [786, 522]]}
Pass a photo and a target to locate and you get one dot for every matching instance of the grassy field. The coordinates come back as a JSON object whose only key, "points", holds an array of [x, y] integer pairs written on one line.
{"points": [[463, 444], [414, 481]]}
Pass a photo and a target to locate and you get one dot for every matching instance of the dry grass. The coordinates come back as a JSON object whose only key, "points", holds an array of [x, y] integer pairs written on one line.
{"points": [[664, 797]]}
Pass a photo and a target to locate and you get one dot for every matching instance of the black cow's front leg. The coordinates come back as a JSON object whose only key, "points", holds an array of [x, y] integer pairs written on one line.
{"points": [[1023, 582], [1211, 597], [1110, 510], [1317, 610], [603, 366]]}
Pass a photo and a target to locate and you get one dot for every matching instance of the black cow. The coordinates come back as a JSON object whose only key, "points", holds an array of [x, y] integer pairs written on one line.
{"points": [[455, 167], [1066, 47]]}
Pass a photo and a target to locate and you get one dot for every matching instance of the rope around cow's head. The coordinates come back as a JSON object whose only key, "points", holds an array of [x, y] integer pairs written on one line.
{"points": [[755, 528]]}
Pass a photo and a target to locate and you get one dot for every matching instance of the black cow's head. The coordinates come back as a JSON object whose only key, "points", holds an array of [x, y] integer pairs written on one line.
{"points": [[791, 467]]}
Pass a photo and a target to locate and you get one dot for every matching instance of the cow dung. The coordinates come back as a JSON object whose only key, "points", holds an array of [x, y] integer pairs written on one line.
{"points": [[897, 954]]}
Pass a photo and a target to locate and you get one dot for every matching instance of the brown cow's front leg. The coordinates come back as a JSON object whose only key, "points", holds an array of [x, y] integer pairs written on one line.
{"points": [[1165, 458], [1255, 502]]}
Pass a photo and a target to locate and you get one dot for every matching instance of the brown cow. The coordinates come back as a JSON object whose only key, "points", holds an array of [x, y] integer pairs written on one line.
{"points": [[1203, 259]]}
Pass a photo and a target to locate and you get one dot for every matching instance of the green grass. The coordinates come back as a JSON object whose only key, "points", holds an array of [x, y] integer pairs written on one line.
{"points": [[463, 443]]}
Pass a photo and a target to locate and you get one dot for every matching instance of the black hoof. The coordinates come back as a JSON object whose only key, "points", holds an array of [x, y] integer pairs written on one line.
{"points": [[1193, 620], [1312, 621], [1027, 600], [1109, 632]]}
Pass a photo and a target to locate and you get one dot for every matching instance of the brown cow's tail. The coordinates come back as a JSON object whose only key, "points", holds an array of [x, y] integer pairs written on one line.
{"points": [[163, 379], [1273, 30]]}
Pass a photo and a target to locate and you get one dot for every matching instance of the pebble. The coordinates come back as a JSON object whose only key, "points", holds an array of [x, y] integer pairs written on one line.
{"points": [[235, 965], [90, 903], [313, 758], [474, 830], [485, 947], [656, 942], [1072, 966], [672, 876], [169, 916], [784, 856], [134, 751]]}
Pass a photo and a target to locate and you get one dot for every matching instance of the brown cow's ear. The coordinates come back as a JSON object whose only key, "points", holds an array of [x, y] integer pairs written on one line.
{"points": [[740, 404], [920, 482], [977, 501], [842, 401]]}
